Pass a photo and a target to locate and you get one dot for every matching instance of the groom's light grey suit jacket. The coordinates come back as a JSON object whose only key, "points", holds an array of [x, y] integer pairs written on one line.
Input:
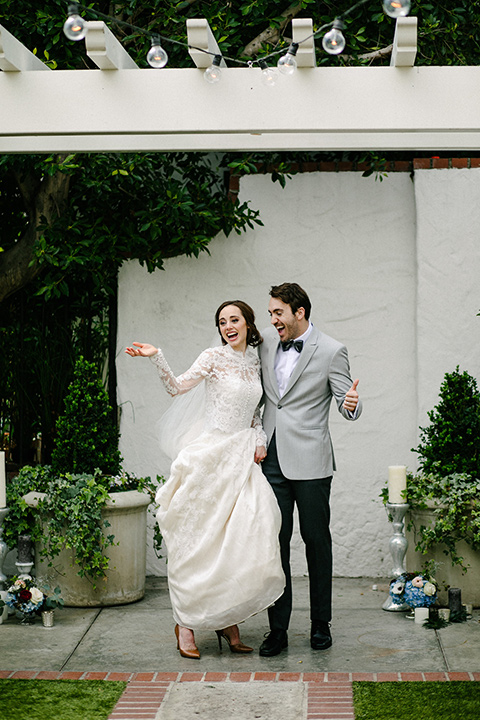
{"points": [[300, 417]]}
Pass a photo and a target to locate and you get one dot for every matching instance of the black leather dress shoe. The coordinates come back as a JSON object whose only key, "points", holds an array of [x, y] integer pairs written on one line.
{"points": [[274, 643], [320, 636]]}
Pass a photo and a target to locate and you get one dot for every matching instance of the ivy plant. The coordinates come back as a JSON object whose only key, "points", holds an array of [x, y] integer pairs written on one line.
{"points": [[70, 514], [456, 513]]}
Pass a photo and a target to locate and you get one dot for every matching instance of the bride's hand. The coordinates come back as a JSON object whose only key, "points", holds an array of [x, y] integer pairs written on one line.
{"points": [[260, 453], [141, 350]]}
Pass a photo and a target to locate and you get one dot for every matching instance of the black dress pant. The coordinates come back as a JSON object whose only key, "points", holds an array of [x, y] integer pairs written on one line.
{"points": [[313, 502]]}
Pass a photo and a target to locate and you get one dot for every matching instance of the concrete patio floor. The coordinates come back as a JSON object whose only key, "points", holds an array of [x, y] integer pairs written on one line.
{"points": [[139, 638]]}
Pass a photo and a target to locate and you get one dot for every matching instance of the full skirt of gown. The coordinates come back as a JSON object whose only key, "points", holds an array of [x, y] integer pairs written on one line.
{"points": [[220, 521]]}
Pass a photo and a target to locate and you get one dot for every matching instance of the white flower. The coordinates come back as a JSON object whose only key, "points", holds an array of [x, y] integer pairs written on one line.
{"points": [[398, 588], [429, 589], [417, 581], [37, 596]]}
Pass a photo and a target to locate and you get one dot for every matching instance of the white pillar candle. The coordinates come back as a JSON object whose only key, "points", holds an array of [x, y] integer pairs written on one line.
{"points": [[3, 482], [397, 483], [421, 614]]}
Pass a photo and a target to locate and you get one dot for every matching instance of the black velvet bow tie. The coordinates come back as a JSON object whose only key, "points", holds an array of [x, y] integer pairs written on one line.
{"points": [[297, 344]]}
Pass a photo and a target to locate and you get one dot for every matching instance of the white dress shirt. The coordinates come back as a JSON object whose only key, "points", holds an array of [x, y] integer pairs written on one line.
{"points": [[286, 360]]}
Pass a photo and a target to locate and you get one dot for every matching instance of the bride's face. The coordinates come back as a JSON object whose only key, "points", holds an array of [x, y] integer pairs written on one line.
{"points": [[233, 327]]}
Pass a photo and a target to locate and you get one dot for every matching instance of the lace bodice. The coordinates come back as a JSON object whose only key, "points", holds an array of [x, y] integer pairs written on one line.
{"points": [[233, 388]]}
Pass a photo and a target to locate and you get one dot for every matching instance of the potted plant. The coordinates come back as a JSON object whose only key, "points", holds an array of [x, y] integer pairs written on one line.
{"points": [[444, 495], [86, 515]]}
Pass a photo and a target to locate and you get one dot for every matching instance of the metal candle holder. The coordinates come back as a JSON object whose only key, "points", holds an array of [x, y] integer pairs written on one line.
{"points": [[3, 546], [398, 547], [24, 560]]}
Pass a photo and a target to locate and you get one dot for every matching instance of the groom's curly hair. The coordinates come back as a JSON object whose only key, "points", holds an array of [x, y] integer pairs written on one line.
{"points": [[293, 295], [253, 335]]}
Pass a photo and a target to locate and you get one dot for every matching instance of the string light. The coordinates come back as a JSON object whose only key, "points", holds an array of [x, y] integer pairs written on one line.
{"points": [[269, 75], [333, 41], [156, 56], [75, 27], [287, 63], [396, 8], [213, 74]]}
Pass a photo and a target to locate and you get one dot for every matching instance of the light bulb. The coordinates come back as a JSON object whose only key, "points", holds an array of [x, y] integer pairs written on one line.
{"points": [[333, 41], [75, 27], [287, 63], [213, 73], [156, 56], [396, 8], [269, 75]]}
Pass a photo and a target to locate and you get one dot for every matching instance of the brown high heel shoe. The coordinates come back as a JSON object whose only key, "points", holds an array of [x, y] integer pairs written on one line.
{"points": [[237, 648], [194, 654]]}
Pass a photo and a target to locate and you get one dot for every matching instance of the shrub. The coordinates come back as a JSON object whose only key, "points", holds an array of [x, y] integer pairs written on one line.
{"points": [[451, 443], [87, 436]]}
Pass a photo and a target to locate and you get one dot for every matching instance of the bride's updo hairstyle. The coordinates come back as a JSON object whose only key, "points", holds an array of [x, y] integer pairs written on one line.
{"points": [[253, 336]]}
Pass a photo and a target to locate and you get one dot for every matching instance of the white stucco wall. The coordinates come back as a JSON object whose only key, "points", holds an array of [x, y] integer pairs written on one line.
{"points": [[391, 271], [448, 250]]}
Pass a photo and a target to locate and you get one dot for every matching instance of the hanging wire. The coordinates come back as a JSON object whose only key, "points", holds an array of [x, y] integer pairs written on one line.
{"points": [[264, 58]]}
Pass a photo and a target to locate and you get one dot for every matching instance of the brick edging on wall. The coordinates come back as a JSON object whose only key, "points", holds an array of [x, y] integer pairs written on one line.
{"points": [[406, 166], [307, 677]]}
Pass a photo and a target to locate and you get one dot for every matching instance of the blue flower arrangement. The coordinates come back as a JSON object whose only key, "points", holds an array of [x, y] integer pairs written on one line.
{"points": [[414, 589], [25, 596]]}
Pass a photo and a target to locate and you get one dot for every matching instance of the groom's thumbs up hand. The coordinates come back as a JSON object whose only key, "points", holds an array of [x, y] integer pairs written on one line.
{"points": [[351, 398]]}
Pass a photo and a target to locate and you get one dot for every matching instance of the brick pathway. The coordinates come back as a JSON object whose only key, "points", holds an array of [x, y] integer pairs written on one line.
{"points": [[329, 694]]}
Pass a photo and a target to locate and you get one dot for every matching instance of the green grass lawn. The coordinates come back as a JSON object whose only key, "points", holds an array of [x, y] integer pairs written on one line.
{"points": [[58, 699], [416, 700]]}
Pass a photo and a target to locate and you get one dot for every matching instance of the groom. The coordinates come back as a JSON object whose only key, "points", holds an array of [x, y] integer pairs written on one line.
{"points": [[301, 374]]}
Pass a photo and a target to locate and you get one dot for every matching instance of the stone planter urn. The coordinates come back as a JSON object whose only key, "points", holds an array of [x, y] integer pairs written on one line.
{"points": [[125, 583], [447, 574]]}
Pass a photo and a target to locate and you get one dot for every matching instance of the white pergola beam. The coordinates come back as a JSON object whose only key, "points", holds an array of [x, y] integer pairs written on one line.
{"points": [[199, 35], [302, 28], [334, 108], [15, 57], [404, 42], [105, 50]]}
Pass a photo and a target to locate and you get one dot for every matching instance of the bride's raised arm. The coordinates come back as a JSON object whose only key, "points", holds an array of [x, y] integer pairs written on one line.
{"points": [[174, 385]]}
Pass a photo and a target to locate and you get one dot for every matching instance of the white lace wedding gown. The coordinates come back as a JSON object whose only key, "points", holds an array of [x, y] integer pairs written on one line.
{"points": [[218, 515]]}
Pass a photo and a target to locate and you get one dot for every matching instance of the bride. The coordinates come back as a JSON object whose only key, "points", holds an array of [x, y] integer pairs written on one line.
{"points": [[217, 513]]}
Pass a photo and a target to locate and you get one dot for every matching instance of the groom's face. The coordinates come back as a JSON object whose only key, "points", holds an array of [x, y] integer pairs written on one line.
{"points": [[286, 323]]}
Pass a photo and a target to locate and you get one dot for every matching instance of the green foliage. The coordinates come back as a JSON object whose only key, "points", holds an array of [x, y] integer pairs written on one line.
{"points": [[48, 336], [449, 476], [87, 437], [72, 512], [70, 515], [457, 511], [147, 207], [413, 700], [451, 443], [53, 598], [63, 699], [20, 519]]}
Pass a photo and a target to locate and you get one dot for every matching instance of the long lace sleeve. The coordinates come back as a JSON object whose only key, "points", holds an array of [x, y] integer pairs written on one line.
{"points": [[189, 379], [261, 438]]}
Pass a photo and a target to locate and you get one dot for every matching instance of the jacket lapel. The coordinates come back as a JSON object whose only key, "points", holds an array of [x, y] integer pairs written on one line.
{"points": [[308, 349], [270, 345]]}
